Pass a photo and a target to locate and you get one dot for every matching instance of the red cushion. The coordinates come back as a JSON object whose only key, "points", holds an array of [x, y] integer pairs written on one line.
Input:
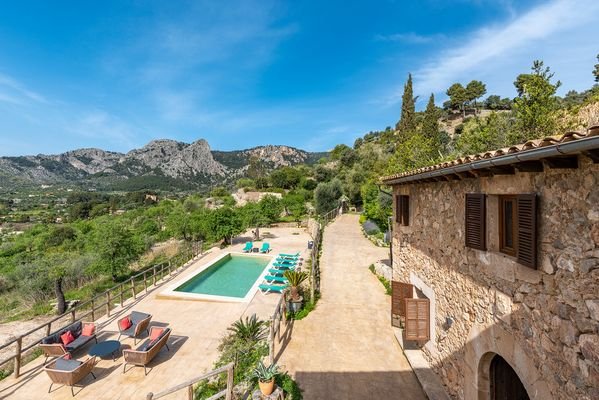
{"points": [[67, 356], [125, 323], [67, 337], [155, 333], [88, 329]]}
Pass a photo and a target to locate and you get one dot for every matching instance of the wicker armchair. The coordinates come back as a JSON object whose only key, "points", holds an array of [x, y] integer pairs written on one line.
{"points": [[52, 346], [69, 372], [139, 323], [147, 351]]}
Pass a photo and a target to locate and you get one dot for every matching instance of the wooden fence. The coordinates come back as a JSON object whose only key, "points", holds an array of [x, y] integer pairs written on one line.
{"points": [[99, 305], [274, 334], [226, 393]]}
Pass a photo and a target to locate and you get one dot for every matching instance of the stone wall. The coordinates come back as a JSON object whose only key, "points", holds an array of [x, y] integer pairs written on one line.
{"points": [[549, 317]]}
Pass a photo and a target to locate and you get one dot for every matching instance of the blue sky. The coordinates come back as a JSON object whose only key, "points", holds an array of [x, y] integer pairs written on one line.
{"points": [[311, 74]]}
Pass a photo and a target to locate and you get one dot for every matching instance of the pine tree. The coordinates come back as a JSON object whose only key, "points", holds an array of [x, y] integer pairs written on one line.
{"points": [[407, 122], [596, 70]]}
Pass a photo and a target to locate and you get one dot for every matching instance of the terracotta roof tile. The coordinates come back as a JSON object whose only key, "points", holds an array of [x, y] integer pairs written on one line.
{"points": [[529, 145]]}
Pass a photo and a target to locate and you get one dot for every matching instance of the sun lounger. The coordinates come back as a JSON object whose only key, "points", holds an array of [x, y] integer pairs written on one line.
{"points": [[276, 279], [285, 261], [291, 256], [283, 266], [277, 272], [272, 288], [248, 247], [265, 248]]}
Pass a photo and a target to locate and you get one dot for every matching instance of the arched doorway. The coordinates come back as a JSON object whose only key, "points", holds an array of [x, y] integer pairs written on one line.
{"points": [[504, 382]]}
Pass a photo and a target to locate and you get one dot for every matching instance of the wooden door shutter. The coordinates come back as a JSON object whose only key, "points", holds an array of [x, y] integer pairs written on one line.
{"points": [[400, 291], [398, 209], [417, 325], [526, 253], [476, 221]]}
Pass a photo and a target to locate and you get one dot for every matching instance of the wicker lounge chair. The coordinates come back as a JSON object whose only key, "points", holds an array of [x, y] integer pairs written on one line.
{"points": [[52, 345], [69, 372], [139, 323], [147, 350]]}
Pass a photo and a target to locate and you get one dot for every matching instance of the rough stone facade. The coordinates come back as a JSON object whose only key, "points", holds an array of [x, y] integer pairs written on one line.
{"points": [[544, 322]]}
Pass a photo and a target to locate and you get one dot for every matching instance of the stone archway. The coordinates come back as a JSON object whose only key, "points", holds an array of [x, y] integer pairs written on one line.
{"points": [[484, 342]]}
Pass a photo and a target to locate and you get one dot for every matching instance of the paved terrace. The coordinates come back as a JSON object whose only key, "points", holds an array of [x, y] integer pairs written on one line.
{"points": [[197, 327], [345, 348]]}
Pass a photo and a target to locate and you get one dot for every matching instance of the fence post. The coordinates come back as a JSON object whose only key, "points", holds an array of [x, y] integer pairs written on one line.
{"points": [[73, 315], [93, 310], [154, 274], [19, 344], [108, 303], [121, 294], [170, 271], [133, 287], [190, 392], [230, 376], [150, 396], [145, 282], [271, 341], [48, 328]]}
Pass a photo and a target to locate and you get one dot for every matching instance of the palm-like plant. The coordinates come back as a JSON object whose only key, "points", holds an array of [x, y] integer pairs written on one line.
{"points": [[264, 373], [250, 329], [295, 279]]}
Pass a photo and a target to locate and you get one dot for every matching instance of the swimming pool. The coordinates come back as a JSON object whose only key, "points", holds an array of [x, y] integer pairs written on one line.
{"points": [[232, 277]]}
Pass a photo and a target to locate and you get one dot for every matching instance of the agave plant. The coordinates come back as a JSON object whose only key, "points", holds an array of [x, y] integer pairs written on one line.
{"points": [[251, 329], [264, 373], [295, 278]]}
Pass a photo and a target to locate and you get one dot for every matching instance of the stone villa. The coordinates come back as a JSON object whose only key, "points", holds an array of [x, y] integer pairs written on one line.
{"points": [[496, 269]]}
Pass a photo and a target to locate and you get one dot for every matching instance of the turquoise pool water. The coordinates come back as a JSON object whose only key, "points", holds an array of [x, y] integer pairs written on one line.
{"points": [[232, 276]]}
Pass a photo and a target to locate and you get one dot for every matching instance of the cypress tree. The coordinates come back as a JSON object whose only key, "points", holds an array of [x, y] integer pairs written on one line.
{"points": [[430, 122], [407, 122]]}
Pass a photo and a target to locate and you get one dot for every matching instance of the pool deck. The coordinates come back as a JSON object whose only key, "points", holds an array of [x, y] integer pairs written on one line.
{"points": [[197, 328]]}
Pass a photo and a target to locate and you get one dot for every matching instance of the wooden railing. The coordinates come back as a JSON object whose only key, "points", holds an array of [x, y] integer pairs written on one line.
{"points": [[226, 393], [97, 306], [279, 315]]}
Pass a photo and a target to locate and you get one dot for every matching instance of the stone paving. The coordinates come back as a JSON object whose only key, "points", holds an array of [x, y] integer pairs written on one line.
{"points": [[345, 348], [197, 328]]}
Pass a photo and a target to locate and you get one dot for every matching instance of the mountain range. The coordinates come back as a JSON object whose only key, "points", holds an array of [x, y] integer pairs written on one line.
{"points": [[161, 164]]}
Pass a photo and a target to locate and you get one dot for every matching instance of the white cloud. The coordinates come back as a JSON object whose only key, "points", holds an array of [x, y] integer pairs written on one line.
{"points": [[410, 38], [17, 92], [99, 124], [491, 47]]}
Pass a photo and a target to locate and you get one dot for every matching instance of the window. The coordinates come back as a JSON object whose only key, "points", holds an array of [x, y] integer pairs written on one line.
{"points": [[476, 221], [518, 228], [417, 319], [508, 222], [402, 210]]}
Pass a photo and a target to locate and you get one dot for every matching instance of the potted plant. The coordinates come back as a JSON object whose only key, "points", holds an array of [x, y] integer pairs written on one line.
{"points": [[295, 279], [266, 377]]}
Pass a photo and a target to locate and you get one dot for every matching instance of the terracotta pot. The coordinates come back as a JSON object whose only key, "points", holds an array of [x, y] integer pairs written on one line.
{"points": [[267, 387]]}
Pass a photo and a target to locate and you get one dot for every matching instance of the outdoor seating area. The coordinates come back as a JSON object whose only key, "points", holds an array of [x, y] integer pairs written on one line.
{"points": [[68, 371], [275, 281], [187, 346]]}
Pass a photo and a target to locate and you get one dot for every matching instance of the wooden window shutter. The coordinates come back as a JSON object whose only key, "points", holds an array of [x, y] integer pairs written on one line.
{"points": [[400, 291], [405, 210], [398, 209], [417, 325], [476, 216], [526, 253]]}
